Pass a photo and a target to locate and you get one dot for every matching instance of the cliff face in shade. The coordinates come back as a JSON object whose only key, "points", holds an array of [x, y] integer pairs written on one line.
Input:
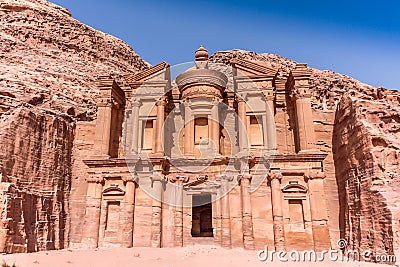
{"points": [[48, 66], [367, 160], [358, 126]]}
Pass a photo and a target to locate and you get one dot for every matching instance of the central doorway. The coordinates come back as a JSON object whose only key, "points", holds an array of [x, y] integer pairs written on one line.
{"points": [[202, 216]]}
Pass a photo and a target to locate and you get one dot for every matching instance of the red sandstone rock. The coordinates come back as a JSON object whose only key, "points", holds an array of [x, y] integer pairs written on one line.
{"points": [[48, 66]]}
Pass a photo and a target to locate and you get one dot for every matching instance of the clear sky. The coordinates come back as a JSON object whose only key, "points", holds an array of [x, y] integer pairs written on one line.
{"points": [[357, 38]]}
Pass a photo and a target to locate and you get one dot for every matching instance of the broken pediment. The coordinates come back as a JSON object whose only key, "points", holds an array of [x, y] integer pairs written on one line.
{"points": [[252, 69], [157, 72]]}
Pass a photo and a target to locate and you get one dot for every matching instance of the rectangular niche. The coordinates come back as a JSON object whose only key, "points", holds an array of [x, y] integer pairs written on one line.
{"points": [[113, 213], [296, 215], [255, 131], [200, 129], [148, 132]]}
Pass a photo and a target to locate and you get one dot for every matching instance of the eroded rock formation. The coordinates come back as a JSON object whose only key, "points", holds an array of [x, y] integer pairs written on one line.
{"points": [[48, 66]]}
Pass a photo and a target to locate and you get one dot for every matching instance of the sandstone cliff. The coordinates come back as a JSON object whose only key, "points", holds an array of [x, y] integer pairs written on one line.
{"points": [[48, 66]]}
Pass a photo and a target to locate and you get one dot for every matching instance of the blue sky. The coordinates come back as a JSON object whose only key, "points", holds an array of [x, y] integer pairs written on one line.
{"points": [[357, 38]]}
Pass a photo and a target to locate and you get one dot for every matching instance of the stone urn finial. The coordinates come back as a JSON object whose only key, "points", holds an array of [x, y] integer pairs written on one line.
{"points": [[201, 54]]}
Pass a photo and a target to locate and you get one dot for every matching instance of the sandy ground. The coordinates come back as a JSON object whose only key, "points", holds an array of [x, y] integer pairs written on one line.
{"points": [[204, 256]]}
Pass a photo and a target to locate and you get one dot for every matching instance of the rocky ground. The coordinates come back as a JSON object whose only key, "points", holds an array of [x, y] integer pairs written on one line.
{"points": [[194, 256]]}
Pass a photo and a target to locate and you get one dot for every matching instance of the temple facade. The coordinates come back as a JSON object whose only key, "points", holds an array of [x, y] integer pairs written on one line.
{"points": [[211, 155]]}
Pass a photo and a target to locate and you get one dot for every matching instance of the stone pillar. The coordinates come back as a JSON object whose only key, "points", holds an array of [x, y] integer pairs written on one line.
{"points": [[247, 220], [319, 215], [269, 126], [299, 87], [135, 126], [159, 127], [103, 127], [157, 182], [129, 210], [305, 124], [178, 222], [189, 131], [243, 143], [225, 214], [214, 130], [90, 237], [279, 235]]}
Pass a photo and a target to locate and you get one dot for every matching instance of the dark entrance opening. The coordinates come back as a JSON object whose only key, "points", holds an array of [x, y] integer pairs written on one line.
{"points": [[202, 216]]}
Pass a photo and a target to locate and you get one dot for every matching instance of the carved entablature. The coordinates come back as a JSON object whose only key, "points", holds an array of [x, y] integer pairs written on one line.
{"points": [[298, 83], [111, 93]]}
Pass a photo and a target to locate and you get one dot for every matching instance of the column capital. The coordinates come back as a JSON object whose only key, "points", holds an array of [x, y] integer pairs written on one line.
{"points": [[132, 178], [241, 98], [300, 92], [310, 175], [135, 102], [98, 179], [245, 176], [273, 176], [161, 102], [180, 179]]}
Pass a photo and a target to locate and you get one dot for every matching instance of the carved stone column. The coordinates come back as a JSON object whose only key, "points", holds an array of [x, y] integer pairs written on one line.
{"points": [[90, 236], [247, 220], [214, 127], [135, 126], [157, 182], [269, 126], [243, 144], [189, 131], [103, 127], [319, 215], [159, 126], [305, 125], [129, 210], [299, 87], [279, 235], [225, 213], [178, 222]]}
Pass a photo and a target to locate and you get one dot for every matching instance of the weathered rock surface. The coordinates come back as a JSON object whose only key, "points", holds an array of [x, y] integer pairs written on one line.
{"points": [[48, 66], [51, 60]]}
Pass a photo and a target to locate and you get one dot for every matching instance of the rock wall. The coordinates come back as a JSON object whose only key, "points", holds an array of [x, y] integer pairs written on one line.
{"points": [[49, 63], [36, 179], [366, 153]]}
